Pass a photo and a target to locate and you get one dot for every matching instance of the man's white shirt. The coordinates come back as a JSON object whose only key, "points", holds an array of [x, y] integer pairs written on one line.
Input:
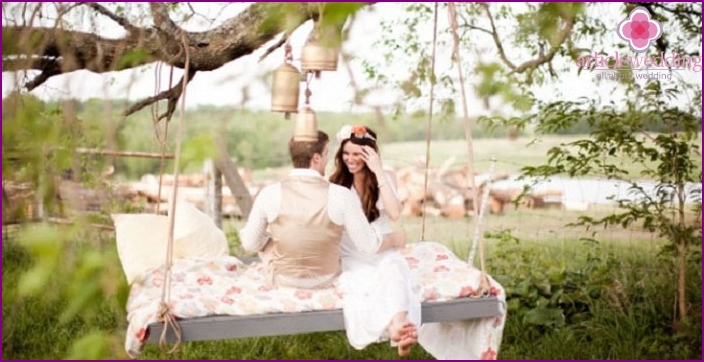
{"points": [[344, 208]]}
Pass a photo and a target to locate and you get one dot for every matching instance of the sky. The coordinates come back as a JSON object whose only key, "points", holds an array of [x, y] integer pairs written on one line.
{"points": [[332, 92]]}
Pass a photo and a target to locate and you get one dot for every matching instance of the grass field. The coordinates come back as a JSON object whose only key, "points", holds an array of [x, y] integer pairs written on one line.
{"points": [[623, 281]]}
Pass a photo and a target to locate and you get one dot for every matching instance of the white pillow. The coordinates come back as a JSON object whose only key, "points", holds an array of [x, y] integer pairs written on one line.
{"points": [[141, 242], [142, 239], [195, 234]]}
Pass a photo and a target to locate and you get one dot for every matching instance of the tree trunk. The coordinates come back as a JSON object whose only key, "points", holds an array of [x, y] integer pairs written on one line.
{"points": [[681, 241]]}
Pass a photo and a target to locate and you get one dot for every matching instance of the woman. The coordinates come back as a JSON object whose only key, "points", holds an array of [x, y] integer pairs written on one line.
{"points": [[379, 302]]}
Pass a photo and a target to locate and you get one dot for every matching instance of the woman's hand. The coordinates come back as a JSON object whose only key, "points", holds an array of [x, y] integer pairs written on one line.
{"points": [[396, 239], [373, 161]]}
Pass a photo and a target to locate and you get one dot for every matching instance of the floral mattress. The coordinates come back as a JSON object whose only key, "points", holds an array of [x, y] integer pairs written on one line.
{"points": [[227, 286]]}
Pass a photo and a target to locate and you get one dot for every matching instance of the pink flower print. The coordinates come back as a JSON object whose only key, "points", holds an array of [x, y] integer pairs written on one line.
{"points": [[412, 262], [488, 354], [494, 291], [232, 267], [441, 268], [205, 280], [430, 295], [265, 288], [466, 291], [234, 290], [158, 281], [186, 296], [227, 300], [497, 322], [303, 294], [639, 29], [142, 334], [442, 257]]}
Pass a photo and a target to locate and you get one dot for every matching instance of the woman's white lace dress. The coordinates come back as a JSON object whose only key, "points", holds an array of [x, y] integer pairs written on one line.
{"points": [[375, 288]]}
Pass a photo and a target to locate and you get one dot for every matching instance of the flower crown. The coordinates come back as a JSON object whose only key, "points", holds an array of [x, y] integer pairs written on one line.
{"points": [[348, 131]]}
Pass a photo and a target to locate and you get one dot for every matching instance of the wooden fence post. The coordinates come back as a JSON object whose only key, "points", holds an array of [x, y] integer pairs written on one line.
{"points": [[234, 180], [213, 192]]}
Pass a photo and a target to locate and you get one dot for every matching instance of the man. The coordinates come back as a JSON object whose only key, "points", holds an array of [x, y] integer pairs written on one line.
{"points": [[306, 216]]}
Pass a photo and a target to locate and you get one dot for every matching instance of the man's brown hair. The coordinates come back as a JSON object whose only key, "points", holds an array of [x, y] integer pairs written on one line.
{"points": [[302, 151]]}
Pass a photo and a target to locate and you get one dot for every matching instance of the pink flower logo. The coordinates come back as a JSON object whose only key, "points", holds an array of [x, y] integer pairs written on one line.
{"points": [[639, 29]]}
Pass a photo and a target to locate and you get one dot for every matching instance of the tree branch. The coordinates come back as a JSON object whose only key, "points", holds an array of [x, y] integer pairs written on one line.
{"points": [[172, 95], [162, 21], [472, 27], [38, 63], [495, 36], [51, 67], [208, 50], [568, 20], [118, 19], [275, 46], [677, 11], [542, 59]]}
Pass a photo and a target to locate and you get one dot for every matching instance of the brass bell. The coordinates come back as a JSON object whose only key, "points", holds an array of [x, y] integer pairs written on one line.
{"points": [[320, 52], [306, 125], [285, 90], [316, 57]]}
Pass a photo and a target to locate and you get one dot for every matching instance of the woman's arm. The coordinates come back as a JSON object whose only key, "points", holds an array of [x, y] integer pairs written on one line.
{"points": [[387, 184], [387, 193], [396, 239]]}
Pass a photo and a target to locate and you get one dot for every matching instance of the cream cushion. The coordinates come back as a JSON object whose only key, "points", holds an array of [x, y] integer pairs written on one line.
{"points": [[142, 239]]}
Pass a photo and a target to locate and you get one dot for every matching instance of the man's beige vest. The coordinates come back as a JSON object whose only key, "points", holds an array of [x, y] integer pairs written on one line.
{"points": [[305, 242]]}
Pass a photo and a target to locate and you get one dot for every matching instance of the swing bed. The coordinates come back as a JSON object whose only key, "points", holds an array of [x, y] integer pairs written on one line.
{"points": [[278, 324], [480, 305]]}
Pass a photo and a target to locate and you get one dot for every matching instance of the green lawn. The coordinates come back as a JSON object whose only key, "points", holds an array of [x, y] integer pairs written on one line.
{"points": [[620, 287]]}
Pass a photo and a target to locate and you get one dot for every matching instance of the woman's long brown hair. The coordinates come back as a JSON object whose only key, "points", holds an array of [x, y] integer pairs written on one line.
{"points": [[342, 176]]}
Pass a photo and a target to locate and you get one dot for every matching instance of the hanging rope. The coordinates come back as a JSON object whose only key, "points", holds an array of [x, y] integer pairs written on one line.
{"points": [[430, 119], [484, 283], [164, 312], [482, 212], [163, 142]]}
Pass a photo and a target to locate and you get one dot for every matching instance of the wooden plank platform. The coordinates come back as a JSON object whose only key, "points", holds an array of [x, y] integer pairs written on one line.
{"points": [[275, 324]]}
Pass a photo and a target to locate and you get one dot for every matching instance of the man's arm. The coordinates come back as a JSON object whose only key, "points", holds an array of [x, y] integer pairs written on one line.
{"points": [[254, 235]]}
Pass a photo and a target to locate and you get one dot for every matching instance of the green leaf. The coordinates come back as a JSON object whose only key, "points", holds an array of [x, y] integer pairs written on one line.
{"points": [[544, 316], [84, 295], [34, 280], [43, 242], [92, 346], [133, 58]]}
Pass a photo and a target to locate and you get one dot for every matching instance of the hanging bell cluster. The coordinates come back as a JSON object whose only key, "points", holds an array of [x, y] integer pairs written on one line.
{"points": [[317, 55]]}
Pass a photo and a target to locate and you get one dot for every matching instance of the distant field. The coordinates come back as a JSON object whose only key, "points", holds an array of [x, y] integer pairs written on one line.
{"points": [[510, 155]]}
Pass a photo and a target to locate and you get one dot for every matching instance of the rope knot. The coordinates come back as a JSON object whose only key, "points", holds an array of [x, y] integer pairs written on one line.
{"points": [[169, 320]]}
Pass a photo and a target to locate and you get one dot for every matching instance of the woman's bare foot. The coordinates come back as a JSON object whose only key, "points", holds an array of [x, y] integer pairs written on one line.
{"points": [[405, 335]]}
